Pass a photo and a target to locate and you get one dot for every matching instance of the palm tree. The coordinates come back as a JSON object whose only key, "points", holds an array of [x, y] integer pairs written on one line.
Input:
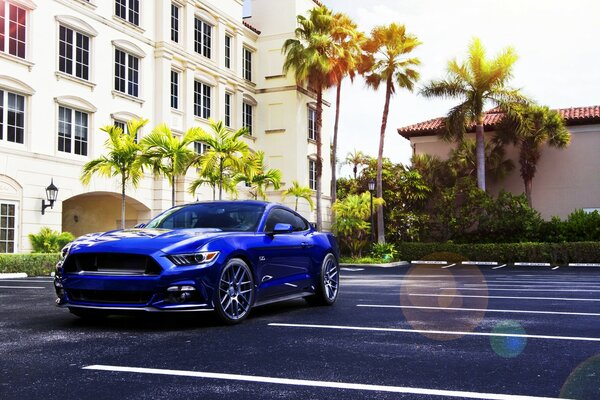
{"points": [[299, 192], [168, 154], [529, 128], [346, 35], [385, 61], [310, 55], [225, 154], [213, 179], [123, 159], [257, 176], [463, 161], [356, 159], [475, 83]]}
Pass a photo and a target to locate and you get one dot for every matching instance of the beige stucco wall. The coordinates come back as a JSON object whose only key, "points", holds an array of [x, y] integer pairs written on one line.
{"points": [[566, 179]]}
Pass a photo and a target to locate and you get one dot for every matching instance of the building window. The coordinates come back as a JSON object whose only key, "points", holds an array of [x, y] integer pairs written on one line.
{"points": [[127, 73], [247, 111], [247, 64], [129, 10], [228, 51], [312, 123], [8, 225], [202, 100], [200, 147], [174, 89], [13, 29], [72, 131], [12, 117], [202, 38], [74, 49], [227, 109], [312, 174], [174, 23]]}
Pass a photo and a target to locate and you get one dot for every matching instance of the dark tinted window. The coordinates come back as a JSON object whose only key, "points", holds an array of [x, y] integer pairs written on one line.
{"points": [[227, 217], [281, 216]]}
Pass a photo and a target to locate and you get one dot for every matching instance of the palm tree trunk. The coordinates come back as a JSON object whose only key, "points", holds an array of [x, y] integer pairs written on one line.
{"points": [[334, 147], [480, 151], [296, 208], [386, 110], [173, 191], [319, 163], [220, 179], [122, 201], [528, 190]]}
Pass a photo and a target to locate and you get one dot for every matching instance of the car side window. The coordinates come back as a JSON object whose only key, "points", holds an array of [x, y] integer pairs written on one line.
{"points": [[281, 216]]}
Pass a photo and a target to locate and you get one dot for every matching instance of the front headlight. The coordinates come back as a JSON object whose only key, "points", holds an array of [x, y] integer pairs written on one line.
{"points": [[65, 251], [203, 257]]}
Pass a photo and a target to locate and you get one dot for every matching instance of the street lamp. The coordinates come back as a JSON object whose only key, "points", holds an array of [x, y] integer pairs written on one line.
{"points": [[371, 189], [51, 195]]}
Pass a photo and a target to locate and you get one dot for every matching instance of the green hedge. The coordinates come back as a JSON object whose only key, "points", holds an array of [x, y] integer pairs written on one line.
{"points": [[35, 264], [555, 253]]}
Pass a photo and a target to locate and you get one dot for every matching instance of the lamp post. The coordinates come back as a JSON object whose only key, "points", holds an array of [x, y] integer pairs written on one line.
{"points": [[371, 189], [51, 195]]}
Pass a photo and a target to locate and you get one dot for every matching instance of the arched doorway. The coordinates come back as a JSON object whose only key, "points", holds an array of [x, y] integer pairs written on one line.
{"points": [[100, 212]]}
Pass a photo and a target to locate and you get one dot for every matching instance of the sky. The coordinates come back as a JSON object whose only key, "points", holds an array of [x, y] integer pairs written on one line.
{"points": [[556, 40]]}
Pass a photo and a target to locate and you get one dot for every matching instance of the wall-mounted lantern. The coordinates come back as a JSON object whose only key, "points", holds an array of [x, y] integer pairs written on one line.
{"points": [[51, 195]]}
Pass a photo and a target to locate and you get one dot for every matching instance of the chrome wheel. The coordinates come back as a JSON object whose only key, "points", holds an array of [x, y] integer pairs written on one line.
{"points": [[328, 283], [236, 291], [331, 277]]}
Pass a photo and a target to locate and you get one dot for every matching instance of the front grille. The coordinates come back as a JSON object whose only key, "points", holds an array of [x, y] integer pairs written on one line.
{"points": [[109, 296], [112, 263]]}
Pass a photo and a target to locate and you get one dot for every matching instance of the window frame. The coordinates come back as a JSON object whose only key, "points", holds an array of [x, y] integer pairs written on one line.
{"points": [[15, 228], [227, 101], [130, 13], [6, 29], [312, 123], [247, 56], [175, 88], [74, 60], [201, 109], [305, 228], [245, 114], [72, 138], [201, 36], [175, 22], [5, 119], [312, 174], [127, 70], [227, 53]]}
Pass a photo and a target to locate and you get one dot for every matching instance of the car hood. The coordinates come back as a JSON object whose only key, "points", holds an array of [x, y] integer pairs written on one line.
{"points": [[146, 241]]}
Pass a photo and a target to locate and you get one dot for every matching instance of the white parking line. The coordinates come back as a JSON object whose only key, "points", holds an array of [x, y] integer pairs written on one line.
{"points": [[544, 282], [453, 333], [352, 269], [522, 289], [500, 266], [530, 285], [449, 266], [313, 383], [482, 309], [25, 281], [23, 287], [502, 297]]}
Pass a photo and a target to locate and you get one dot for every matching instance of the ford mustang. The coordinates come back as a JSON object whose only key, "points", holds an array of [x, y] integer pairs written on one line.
{"points": [[224, 256]]}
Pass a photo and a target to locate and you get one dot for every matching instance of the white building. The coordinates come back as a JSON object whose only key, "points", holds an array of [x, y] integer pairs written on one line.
{"points": [[69, 67]]}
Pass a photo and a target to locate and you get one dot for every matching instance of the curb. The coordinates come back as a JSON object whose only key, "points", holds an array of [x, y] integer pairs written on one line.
{"points": [[13, 275], [386, 265]]}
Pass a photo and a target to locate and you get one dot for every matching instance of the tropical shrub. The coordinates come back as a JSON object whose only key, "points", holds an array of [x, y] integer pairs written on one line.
{"points": [[351, 215], [31, 264], [49, 241], [384, 251]]}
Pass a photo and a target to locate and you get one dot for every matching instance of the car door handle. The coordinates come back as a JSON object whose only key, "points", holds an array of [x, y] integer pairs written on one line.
{"points": [[305, 245]]}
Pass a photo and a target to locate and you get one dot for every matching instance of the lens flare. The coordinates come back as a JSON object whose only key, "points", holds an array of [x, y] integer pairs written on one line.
{"points": [[583, 383], [508, 346], [444, 308]]}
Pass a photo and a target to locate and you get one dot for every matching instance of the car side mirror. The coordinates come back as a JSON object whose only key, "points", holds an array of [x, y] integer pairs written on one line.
{"points": [[282, 228], [139, 226]]}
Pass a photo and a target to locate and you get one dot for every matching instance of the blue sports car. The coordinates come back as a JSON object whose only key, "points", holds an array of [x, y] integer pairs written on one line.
{"points": [[226, 256]]}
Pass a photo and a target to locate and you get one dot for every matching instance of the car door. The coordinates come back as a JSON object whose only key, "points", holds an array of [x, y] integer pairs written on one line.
{"points": [[285, 259]]}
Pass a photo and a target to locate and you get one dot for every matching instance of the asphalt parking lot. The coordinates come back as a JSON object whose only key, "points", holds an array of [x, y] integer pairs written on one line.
{"points": [[420, 332]]}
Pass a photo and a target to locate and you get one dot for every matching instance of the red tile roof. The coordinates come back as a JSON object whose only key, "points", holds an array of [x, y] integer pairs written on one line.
{"points": [[253, 29], [572, 116]]}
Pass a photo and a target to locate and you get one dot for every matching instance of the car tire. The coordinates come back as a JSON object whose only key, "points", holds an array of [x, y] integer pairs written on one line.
{"points": [[328, 283], [87, 314], [234, 293]]}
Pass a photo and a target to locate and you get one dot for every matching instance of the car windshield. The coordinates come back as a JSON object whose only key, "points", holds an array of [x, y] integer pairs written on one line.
{"points": [[230, 217]]}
